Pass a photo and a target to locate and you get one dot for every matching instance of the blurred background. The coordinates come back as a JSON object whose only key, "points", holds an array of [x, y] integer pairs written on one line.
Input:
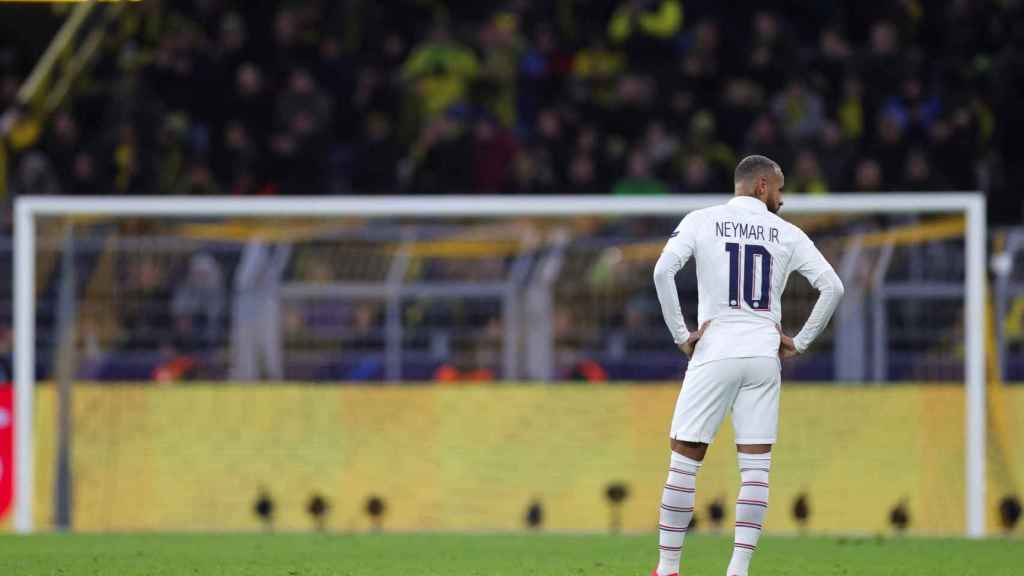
{"points": [[159, 323]]}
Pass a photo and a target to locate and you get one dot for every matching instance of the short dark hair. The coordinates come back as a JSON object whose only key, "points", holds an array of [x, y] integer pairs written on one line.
{"points": [[753, 166]]}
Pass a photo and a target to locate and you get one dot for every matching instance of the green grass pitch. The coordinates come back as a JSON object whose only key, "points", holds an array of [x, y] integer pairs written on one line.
{"points": [[465, 555]]}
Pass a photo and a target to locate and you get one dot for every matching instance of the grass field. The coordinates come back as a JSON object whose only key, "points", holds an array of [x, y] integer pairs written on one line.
{"points": [[458, 555]]}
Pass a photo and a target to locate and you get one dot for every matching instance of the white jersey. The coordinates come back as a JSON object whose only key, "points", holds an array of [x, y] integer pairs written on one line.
{"points": [[744, 255]]}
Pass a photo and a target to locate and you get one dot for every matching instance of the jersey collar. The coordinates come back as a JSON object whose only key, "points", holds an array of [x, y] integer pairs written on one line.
{"points": [[749, 203]]}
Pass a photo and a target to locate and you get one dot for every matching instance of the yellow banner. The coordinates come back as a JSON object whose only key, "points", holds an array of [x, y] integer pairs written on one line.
{"points": [[473, 458]]}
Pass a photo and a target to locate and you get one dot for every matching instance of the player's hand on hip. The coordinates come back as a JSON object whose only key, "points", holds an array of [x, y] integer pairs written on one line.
{"points": [[787, 348], [691, 342]]}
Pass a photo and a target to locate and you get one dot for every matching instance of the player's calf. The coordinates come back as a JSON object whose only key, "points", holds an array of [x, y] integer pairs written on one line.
{"points": [[676, 512], [751, 507]]}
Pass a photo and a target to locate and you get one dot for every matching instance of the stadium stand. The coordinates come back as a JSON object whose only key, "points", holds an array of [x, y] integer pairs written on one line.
{"points": [[632, 96], [521, 97]]}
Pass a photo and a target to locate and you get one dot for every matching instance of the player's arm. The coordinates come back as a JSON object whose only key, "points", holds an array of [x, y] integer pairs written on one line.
{"points": [[678, 250], [809, 262]]}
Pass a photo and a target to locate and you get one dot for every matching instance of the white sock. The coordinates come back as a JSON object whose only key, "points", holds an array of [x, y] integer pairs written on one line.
{"points": [[751, 506], [676, 512]]}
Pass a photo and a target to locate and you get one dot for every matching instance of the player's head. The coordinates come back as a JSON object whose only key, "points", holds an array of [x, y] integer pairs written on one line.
{"points": [[760, 177]]}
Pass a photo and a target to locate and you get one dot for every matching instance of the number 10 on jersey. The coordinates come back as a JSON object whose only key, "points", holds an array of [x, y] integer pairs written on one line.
{"points": [[750, 254]]}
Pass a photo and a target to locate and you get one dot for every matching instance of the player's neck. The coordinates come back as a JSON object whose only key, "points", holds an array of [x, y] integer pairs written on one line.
{"points": [[750, 201]]}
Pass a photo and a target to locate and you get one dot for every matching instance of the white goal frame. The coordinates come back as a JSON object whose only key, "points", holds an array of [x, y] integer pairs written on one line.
{"points": [[28, 208]]}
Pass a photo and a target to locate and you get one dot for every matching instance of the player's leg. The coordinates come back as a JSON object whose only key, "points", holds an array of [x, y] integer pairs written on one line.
{"points": [[755, 417], [677, 503], [702, 404], [751, 504]]}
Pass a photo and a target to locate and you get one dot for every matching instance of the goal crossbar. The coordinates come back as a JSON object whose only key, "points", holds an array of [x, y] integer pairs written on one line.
{"points": [[29, 208]]}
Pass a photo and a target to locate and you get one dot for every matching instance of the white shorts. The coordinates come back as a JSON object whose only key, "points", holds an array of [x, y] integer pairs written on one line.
{"points": [[750, 386]]}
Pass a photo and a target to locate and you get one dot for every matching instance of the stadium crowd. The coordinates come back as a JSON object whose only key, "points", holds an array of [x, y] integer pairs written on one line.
{"points": [[570, 96], [521, 97]]}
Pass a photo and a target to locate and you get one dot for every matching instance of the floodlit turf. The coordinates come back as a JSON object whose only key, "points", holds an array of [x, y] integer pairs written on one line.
{"points": [[518, 555]]}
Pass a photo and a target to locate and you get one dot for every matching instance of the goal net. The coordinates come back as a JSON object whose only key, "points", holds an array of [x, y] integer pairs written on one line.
{"points": [[221, 364]]}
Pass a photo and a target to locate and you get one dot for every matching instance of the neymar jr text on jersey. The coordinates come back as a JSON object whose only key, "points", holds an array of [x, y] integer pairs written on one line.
{"points": [[728, 229]]}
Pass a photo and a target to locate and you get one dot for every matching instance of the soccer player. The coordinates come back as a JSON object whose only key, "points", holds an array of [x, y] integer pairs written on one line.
{"points": [[744, 255]]}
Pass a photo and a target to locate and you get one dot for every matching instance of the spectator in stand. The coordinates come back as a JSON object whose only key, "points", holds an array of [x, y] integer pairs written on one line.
{"points": [[440, 159], [770, 52], [198, 181], [34, 174], [588, 140], [173, 145], [142, 302], [198, 306], [808, 178], [835, 155], [883, 64], [646, 29], [699, 72], [739, 108], [125, 162], [583, 175], [501, 47], [531, 172], [543, 69], [705, 44], [552, 137], [302, 119], [765, 136], [375, 169], [170, 74], [598, 64], [438, 72], [851, 109], [62, 143], [639, 179], [303, 97], [494, 151], [698, 177], [84, 180], [632, 107], [365, 334], [913, 110], [252, 103], [952, 143], [703, 141], [801, 112], [660, 148], [831, 63], [918, 174], [890, 147], [239, 160], [291, 48], [868, 176], [231, 48]]}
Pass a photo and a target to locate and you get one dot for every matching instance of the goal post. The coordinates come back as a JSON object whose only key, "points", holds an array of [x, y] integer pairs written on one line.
{"points": [[29, 208]]}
